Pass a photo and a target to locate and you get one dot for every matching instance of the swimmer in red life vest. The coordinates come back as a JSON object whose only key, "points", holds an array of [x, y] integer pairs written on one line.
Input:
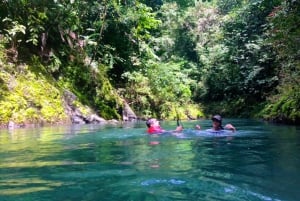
{"points": [[154, 127]]}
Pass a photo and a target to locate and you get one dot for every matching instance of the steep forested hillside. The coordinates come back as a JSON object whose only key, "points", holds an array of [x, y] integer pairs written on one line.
{"points": [[164, 58]]}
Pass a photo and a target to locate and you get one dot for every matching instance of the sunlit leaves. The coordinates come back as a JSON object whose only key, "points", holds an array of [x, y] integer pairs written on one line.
{"points": [[14, 28], [284, 35], [168, 82], [36, 25]]}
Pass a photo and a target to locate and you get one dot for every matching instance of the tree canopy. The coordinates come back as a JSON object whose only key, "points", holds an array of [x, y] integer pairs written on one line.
{"points": [[237, 58]]}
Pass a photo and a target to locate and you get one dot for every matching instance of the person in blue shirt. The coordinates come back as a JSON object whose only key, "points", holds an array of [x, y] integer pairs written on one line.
{"points": [[217, 125]]}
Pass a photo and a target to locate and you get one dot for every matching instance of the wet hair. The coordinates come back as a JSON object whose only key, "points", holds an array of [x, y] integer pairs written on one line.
{"points": [[149, 122]]}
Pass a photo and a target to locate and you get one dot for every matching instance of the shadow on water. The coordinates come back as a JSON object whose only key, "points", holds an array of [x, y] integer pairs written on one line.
{"points": [[259, 162]]}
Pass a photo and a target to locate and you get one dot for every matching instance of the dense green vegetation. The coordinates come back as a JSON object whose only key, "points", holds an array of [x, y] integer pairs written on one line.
{"points": [[163, 57]]}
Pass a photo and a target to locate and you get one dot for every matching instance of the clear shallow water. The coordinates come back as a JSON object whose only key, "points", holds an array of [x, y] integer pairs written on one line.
{"points": [[259, 162]]}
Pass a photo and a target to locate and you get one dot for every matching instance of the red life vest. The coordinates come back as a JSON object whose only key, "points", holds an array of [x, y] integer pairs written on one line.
{"points": [[155, 130]]}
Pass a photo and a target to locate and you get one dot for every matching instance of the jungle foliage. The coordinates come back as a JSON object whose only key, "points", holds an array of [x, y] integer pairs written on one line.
{"points": [[234, 57]]}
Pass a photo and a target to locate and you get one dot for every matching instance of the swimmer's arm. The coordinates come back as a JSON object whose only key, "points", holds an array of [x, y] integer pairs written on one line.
{"points": [[173, 132], [178, 129], [230, 127], [198, 127]]}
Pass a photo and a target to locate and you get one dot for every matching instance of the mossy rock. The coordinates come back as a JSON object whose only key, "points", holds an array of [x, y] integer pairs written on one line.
{"points": [[30, 99]]}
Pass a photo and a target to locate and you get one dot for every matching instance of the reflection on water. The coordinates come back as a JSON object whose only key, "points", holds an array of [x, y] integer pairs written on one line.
{"points": [[259, 162]]}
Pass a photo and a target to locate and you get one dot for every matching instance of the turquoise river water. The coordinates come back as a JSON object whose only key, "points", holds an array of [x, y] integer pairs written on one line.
{"points": [[260, 161]]}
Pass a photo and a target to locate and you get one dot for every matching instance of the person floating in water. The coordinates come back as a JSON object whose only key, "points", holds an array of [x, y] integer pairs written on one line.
{"points": [[217, 125], [155, 128]]}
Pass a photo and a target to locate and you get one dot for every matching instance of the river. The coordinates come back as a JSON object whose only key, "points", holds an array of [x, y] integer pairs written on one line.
{"points": [[261, 161]]}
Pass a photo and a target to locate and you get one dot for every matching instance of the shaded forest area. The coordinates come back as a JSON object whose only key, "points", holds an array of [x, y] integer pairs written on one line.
{"points": [[163, 57]]}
